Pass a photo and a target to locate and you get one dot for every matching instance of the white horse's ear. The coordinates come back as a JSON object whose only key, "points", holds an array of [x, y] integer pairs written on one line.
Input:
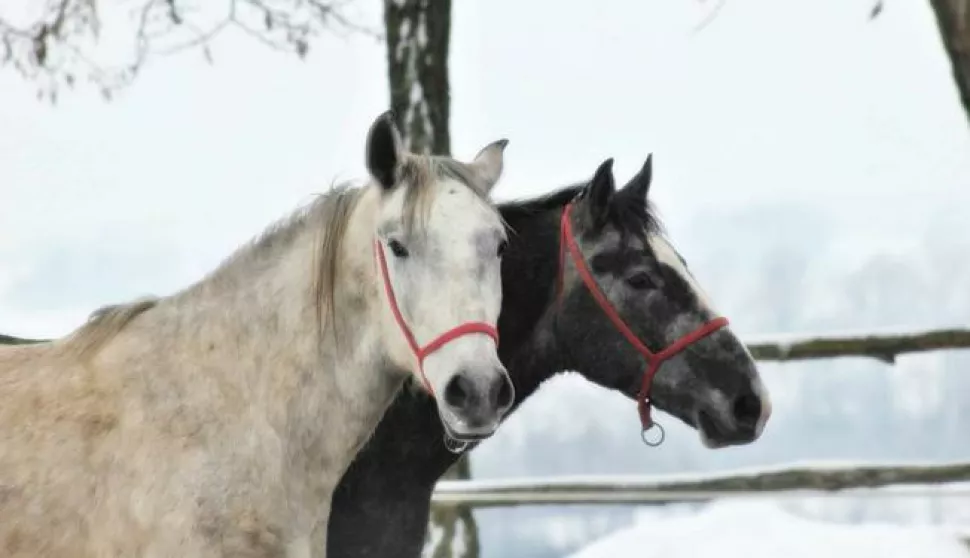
{"points": [[487, 166], [384, 150]]}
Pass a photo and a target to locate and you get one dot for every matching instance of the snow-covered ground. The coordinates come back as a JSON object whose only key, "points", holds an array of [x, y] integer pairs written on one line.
{"points": [[760, 528]]}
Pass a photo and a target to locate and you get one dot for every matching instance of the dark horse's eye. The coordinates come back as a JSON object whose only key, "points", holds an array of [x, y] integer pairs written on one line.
{"points": [[502, 246], [397, 249], [640, 281]]}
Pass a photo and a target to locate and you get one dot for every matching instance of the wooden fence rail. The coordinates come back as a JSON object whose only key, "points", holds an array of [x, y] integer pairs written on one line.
{"points": [[794, 480], [885, 346], [10, 340]]}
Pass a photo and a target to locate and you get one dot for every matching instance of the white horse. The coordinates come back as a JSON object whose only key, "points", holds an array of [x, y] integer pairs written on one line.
{"points": [[217, 421]]}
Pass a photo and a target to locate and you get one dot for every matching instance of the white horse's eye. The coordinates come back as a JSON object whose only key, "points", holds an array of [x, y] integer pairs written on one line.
{"points": [[397, 248], [502, 247]]}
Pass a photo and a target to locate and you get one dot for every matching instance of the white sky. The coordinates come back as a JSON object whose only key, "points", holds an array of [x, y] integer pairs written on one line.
{"points": [[775, 102]]}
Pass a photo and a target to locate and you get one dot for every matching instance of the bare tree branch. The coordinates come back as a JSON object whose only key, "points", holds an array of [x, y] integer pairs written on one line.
{"points": [[58, 47], [876, 9], [709, 17]]}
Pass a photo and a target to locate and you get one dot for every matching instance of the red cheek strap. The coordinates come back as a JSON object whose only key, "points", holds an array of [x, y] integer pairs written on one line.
{"points": [[422, 352]]}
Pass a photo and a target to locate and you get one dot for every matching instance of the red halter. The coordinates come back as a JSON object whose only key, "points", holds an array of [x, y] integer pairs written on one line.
{"points": [[654, 360], [420, 352]]}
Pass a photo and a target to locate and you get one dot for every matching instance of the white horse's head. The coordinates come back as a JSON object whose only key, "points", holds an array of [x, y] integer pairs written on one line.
{"points": [[439, 243]]}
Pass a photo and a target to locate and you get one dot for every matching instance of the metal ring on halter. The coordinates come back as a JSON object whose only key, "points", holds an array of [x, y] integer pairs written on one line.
{"points": [[647, 441], [453, 445]]}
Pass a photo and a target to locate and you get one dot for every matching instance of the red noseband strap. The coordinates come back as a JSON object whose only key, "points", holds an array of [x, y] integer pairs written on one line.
{"points": [[420, 352], [654, 360]]}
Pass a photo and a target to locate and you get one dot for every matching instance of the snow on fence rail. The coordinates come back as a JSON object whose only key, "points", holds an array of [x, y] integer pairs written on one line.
{"points": [[795, 479]]}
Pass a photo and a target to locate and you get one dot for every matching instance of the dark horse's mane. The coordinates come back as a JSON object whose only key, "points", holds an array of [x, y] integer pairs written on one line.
{"points": [[524, 208], [382, 504], [637, 218]]}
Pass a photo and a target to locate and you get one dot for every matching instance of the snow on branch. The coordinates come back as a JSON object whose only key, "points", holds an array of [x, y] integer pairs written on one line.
{"points": [[884, 347], [797, 479], [63, 43]]}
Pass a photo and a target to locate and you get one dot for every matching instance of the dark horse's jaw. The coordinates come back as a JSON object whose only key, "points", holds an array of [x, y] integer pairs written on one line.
{"points": [[714, 434]]}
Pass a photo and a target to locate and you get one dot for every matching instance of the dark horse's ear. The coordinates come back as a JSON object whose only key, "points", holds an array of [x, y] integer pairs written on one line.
{"points": [[598, 193], [639, 186], [384, 150]]}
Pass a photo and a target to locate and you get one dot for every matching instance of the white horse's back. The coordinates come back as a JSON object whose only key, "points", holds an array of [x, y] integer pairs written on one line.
{"points": [[55, 421], [115, 456], [119, 455]]}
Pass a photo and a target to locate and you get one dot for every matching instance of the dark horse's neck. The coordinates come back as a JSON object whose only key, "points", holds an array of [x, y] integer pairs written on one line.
{"points": [[382, 504], [530, 269]]}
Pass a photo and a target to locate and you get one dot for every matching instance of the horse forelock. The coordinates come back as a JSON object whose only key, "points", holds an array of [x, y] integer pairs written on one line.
{"points": [[420, 172]]}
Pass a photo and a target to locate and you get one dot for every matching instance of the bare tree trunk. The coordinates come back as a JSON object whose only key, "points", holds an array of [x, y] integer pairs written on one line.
{"points": [[953, 20], [57, 46], [418, 33]]}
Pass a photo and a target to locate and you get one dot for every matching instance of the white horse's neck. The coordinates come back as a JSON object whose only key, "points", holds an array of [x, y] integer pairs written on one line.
{"points": [[250, 331], [267, 309]]}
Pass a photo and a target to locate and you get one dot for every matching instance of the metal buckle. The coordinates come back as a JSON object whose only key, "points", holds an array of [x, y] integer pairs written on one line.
{"points": [[649, 441]]}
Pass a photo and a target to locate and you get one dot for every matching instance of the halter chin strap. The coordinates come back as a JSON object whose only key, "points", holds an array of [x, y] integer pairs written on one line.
{"points": [[421, 353], [654, 360]]}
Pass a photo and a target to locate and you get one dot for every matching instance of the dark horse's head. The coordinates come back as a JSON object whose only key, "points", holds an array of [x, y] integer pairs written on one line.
{"points": [[640, 305]]}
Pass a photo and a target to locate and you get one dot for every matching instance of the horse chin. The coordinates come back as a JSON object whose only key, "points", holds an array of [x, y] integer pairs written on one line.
{"points": [[458, 431], [708, 438], [715, 434], [466, 438]]}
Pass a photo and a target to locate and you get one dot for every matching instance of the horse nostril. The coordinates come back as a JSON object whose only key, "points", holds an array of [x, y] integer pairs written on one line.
{"points": [[747, 409], [503, 399], [458, 391]]}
